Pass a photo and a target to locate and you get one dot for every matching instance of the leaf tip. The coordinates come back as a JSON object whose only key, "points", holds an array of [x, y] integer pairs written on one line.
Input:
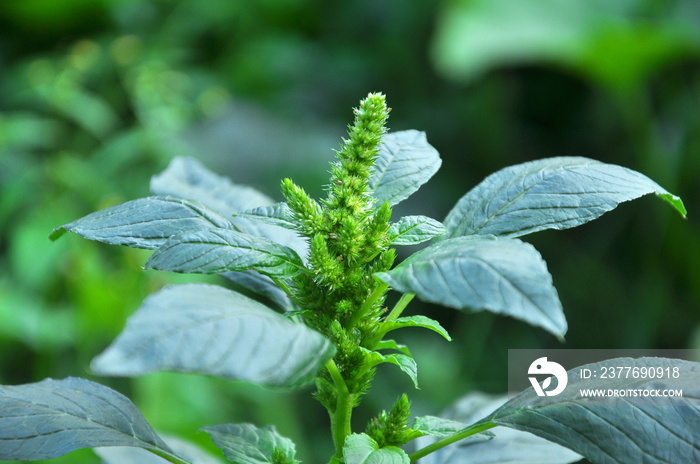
{"points": [[57, 233]]}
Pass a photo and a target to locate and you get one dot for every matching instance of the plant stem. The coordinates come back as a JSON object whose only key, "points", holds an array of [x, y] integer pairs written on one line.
{"points": [[468, 432], [340, 419], [371, 299], [400, 306]]}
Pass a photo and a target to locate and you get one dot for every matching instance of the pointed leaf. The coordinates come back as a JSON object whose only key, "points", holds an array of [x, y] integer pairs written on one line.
{"points": [[496, 446], [406, 161], [552, 193], [144, 223], [441, 428], [362, 449], [248, 444], [411, 230], [505, 276], [392, 345], [211, 330], [278, 214], [617, 429], [415, 321], [406, 363], [213, 251], [188, 178], [53, 417]]}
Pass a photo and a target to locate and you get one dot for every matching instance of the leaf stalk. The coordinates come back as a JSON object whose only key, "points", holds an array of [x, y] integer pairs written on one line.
{"points": [[461, 435]]}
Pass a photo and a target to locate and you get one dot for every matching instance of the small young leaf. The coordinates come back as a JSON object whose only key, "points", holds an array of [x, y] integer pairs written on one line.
{"points": [[248, 444], [411, 230], [440, 428], [213, 251], [414, 321], [278, 214], [211, 330], [495, 446], [406, 161], [50, 418], [392, 345], [622, 429], [406, 363], [144, 223], [361, 449], [552, 193], [501, 275]]}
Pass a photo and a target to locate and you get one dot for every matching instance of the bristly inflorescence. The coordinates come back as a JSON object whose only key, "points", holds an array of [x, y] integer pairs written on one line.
{"points": [[347, 233]]}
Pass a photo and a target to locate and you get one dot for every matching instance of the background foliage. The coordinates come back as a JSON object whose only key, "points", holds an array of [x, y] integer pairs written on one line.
{"points": [[97, 96]]}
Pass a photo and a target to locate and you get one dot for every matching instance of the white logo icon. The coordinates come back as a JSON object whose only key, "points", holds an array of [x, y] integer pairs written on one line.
{"points": [[543, 367]]}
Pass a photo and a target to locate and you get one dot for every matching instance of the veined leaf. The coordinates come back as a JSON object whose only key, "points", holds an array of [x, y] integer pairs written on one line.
{"points": [[501, 275], [188, 178], [144, 223], [406, 161], [50, 418], [248, 444], [278, 214], [414, 321], [552, 193], [362, 449], [406, 363], [496, 446], [213, 251], [411, 230], [211, 330], [623, 429]]}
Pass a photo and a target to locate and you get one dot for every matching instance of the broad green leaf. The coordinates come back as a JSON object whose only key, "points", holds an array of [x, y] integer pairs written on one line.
{"points": [[441, 428], [406, 161], [362, 449], [188, 178], [414, 321], [144, 223], [411, 230], [123, 454], [501, 275], [211, 330], [278, 214], [406, 363], [616, 429], [552, 193], [214, 251], [248, 444], [495, 446], [50, 418], [262, 285]]}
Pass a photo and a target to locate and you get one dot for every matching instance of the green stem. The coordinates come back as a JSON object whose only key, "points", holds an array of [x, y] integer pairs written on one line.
{"points": [[340, 419], [400, 306], [468, 432], [367, 305]]}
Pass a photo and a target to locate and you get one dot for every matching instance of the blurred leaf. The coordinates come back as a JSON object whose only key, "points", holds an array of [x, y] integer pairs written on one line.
{"points": [[122, 455], [212, 330], [361, 449]]}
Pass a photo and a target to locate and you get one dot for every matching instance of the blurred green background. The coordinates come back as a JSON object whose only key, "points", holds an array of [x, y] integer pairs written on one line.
{"points": [[98, 95]]}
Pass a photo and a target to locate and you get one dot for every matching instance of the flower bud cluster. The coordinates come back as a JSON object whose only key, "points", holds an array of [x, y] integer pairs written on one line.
{"points": [[391, 428], [348, 242]]}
